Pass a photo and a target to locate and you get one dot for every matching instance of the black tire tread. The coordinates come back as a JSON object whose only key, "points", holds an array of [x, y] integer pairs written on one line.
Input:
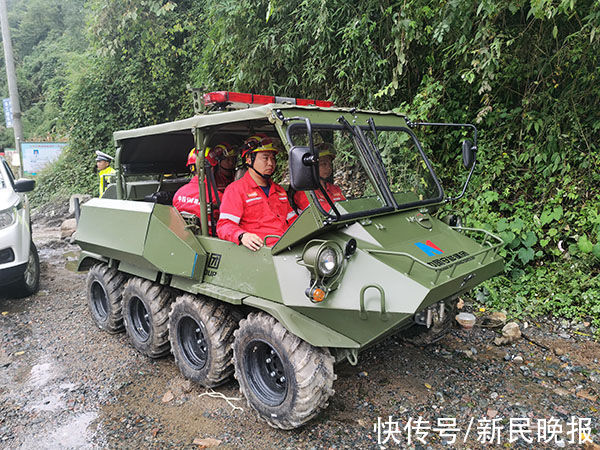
{"points": [[113, 282], [20, 288], [158, 299], [313, 371], [220, 325]]}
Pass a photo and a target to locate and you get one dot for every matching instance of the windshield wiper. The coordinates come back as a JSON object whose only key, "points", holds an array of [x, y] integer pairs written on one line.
{"points": [[378, 168], [373, 161], [371, 123], [376, 151]]}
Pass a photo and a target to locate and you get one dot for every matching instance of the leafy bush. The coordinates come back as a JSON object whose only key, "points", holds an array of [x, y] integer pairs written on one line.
{"points": [[526, 72]]}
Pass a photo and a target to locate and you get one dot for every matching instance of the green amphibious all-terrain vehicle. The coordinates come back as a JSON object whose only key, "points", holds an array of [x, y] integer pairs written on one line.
{"points": [[339, 279]]}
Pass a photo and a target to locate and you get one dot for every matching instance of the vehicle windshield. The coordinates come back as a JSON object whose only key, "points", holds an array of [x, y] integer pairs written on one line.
{"points": [[369, 171]]}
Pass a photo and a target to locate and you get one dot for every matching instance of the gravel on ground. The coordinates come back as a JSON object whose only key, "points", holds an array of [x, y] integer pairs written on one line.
{"points": [[64, 383]]}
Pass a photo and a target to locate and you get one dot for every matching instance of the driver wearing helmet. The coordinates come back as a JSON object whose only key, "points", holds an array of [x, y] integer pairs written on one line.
{"points": [[222, 160], [254, 206], [326, 157]]}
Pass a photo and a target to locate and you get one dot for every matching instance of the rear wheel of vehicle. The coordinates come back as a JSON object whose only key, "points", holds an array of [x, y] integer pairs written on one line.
{"points": [[104, 296], [284, 379], [422, 336], [201, 336], [146, 316], [29, 283]]}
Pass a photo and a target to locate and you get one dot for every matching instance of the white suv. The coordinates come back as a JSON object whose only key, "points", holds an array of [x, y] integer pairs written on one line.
{"points": [[19, 261]]}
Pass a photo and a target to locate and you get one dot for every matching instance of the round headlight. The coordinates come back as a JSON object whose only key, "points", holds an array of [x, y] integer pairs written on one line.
{"points": [[328, 262]]}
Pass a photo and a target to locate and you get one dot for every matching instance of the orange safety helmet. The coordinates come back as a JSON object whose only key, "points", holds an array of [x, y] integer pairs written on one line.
{"points": [[218, 153], [213, 155], [192, 157], [258, 143]]}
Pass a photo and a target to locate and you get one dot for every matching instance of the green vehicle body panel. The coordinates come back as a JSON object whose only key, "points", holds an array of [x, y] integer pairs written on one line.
{"points": [[234, 267], [312, 331], [308, 224], [121, 229], [404, 294], [382, 285]]}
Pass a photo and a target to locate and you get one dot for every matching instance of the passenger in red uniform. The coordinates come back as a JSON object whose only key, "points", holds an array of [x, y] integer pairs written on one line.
{"points": [[326, 156], [254, 206], [222, 160]]}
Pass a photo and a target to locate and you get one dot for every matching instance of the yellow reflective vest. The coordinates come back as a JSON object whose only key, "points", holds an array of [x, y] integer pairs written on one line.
{"points": [[104, 179]]}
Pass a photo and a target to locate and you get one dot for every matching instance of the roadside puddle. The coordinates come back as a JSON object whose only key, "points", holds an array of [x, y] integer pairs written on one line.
{"points": [[47, 396], [40, 374], [73, 433], [71, 260]]}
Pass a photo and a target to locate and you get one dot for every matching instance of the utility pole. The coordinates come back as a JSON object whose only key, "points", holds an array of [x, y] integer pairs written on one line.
{"points": [[12, 82]]}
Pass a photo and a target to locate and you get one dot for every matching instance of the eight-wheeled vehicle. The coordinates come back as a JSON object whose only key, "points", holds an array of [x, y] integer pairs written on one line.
{"points": [[341, 278]]}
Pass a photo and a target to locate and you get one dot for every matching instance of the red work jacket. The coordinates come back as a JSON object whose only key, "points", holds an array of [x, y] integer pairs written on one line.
{"points": [[187, 199], [334, 192], [245, 208], [221, 179]]}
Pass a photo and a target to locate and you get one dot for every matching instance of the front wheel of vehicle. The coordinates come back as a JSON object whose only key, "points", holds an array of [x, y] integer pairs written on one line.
{"points": [[201, 336], [285, 380], [29, 282], [146, 316]]}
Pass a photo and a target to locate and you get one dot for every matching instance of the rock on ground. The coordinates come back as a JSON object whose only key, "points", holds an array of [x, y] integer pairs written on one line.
{"points": [[66, 384]]}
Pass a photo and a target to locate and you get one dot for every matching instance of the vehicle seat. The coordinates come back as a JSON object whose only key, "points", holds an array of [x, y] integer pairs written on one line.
{"points": [[240, 173]]}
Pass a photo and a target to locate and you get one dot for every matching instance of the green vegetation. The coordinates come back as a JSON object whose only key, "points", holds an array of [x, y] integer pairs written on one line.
{"points": [[526, 71]]}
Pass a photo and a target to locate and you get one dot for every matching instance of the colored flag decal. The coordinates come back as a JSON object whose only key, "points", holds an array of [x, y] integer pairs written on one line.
{"points": [[429, 248]]}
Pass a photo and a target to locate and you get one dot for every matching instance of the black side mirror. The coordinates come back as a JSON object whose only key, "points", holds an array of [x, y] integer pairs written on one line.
{"points": [[24, 185], [468, 153], [303, 169]]}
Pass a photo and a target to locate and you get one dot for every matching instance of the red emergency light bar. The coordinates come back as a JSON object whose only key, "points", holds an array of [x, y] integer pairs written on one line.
{"points": [[224, 97]]}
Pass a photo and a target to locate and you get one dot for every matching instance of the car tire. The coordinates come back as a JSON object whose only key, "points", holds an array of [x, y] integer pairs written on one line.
{"points": [[104, 291], [146, 315], [201, 336], [29, 283], [284, 379]]}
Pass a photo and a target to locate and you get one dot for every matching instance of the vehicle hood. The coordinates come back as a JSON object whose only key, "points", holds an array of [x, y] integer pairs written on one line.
{"points": [[8, 198], [419, 235], [424, 248]]}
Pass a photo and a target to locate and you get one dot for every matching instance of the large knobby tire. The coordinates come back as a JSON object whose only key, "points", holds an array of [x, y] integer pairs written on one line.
{"points": [[201, 336], [104, 289], [284, 379], [29, 283], [146, 316]]}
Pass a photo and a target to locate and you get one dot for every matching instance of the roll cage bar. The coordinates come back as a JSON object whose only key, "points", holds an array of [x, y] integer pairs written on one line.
{"points": [[374, 164]]}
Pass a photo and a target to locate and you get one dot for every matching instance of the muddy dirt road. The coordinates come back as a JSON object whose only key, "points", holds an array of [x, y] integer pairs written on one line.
{"points": [[66, 384]]}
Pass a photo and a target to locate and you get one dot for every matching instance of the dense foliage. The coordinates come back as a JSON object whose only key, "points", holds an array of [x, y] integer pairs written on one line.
{"points": [[527, 72]]}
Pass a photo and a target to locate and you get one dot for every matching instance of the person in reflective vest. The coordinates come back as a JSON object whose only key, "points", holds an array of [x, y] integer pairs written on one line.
{"points": [[255, 207], [105, 172], [326, 157]]}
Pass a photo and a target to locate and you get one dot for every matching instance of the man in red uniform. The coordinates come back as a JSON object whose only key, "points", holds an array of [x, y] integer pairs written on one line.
{"points": [[326, 156], [254, 206], [222, 159]]}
